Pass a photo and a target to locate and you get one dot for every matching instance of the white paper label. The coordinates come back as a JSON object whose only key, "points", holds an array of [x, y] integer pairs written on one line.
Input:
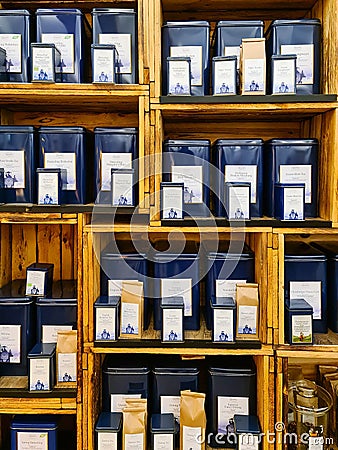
{"points": [[179, 78], [172, 203], [172, 324], [239, 202], [13, 163], [66, 161], [178, 287], [247, 319], [48, 188], [122, 43], [192, 177], [50, 332], [12, 44], [118, 401], [134, 441], [192, 438], [65, 44], [170, 404], [163, 441], [305, 61], [227, 288], [32, 441], [104, 67], [35, 282], [43, 64], [223, 325], [105, 324], [115, 287], [10, 344], [39, 374], [301, 328], [293, 204], [311, 291], [106, 441], [67, 367], [113, 161], [224, 78], [243, 174], [233, 50], [316, 442], [227, 407], [254, 75], [122, 189], [129, 318], [301, 174], [284, 76], [248, 442], [194, 52]]}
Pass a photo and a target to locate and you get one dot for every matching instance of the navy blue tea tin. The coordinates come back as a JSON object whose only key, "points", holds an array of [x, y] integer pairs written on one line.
{"points": [[106, 311], [34, 430], [305, 276], [188, 39], [162, 432], [172, 319], [104, 63], [289, 201], [108, 431], [39, 279], [247, 431], [223, 319], [17, 158], [298, 321], [41, 361]]}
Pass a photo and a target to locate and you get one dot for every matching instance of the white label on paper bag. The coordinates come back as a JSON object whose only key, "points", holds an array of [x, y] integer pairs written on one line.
{"points": [[35, 282], [39, 374], [105, 324], [178, 287], [113, 161], [163, 441], [283, 76], [172, 324], [66, 367], [66, 161], [170, 404], [10, 344], [224, 77], [248, 441], [247, 319], [50, 332], [118, 401], [13, 163], [129, 318], [122, 189], [32, 441], [192, 438], [239, 202], [12, 44], [227, 288], [192, 177], [48, 188], [194, 52], [115, 287], [311, 291], [242, 174], [106, 441], [103, 66], [134, 441], [172, 203], [305, 61], [122, 43], [43, 64], [179, 78], [227, 407], [223, 325], [301, 328], [293, 204], [65, 44], [254, 75], [301, 174]]}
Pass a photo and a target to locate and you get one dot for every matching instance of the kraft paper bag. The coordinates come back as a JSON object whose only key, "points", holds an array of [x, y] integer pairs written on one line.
{"points": [[138, 403], [134, 428], [66, 358], [192, 420], [132, 310], [253, 67], [247, 301]]}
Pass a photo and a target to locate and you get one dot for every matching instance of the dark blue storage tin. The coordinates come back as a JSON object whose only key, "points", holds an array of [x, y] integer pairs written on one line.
{"points": [[41, 377], [223, 319], [172, 319], [64, 25], [115, 148], [291, 152], [282, 74], [295, 37], [39, 279], [65, 147], [108, 431], [119, 27], [122, 378], [15, 26], [246, 154], [106, 311], [39, 429], [282, 209], [194, 153], [104, 63], [303, 263], [195, 36], [162, 431], [169, 267], [49, 186], [298, 319], [17, 158], [247, 431], [17, 311]]}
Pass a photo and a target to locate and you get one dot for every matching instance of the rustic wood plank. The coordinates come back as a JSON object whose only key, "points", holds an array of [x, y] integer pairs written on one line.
{"points": [[49, 247], [68, 239], [5, 254], [281, 300], [141, 150], [24, 251]]}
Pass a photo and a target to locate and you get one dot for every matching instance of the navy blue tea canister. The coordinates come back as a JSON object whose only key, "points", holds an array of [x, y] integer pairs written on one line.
{"points": [[17, 158], [305, 276], [292, 161], [46, 63], [188, 162], [119, 27], [188, 39], [223, 319], [224, 75], [108, 430], [298, 321], [104, 63], [41, 361], [289, 201], [283, 74], [237, 200], [15, 36], [162, 431], [301, 37], [248, 432], [238, 161], [172, 319], [34, 431], [179, 75], [49, 186], [107, 316], [64, 28], [39, 279]]}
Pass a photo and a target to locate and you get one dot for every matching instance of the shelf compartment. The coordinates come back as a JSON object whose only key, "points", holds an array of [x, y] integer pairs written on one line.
{"points": [[247, 99]]}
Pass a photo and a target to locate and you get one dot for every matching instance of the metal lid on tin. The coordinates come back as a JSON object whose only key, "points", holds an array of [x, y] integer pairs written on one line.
{"points": [[61, 130], [12, 129], [240, 23], [241, 366], [222, 302], [14, 12], [34, 422], [227, 250], [162, 423], [105, 301], [114, 130], [246, 424], [298, 305], [109, 421], [187, 142], [112, 366], [172, 302], [237, 142], [186, 23], [301, 251], [175, 249], [42, 350], [57, 11], [15, 293], [290, 142], [284, 22], [125, 249], [176, 370]]}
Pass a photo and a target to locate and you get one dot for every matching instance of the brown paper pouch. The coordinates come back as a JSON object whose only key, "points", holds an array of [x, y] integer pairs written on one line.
{"points": [[253, 67], [192, 420], [138, 403], [66, 358], [132, 310], [134, 429], [247, 301]]}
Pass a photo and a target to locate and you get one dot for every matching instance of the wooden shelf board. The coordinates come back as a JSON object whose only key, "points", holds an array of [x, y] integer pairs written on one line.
{"points": [[45, 218], [65, 209], [84, 5], [247, 99], [323, 342], [308, 230]]}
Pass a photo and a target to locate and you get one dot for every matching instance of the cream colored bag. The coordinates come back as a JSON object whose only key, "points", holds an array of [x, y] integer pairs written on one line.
{"points": [[132, 310], [247, 302], [66, 358], [192, 421], [134, 434]]}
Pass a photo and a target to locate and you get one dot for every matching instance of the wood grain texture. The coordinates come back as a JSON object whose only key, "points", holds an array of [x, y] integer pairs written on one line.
{"points": [[5, 254], [24, 250], [49, 247]]}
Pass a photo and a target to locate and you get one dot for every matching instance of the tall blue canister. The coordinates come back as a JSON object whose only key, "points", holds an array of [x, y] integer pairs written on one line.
{"points": [[65, 148], [305, 276], [118, 27], [34, 431], [17, 329], [176, 273], [17, 158], [64, 28], [115, 148], [15, 39], [190, 39], [291, 161], [231, 263], [239, 160], [188, 162]]}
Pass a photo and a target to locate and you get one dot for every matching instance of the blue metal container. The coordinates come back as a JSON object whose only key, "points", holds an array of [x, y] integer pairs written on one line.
{"points": [[282, 74], [238, 160], [108, 431], [303, 38], [298, 321], [17, 329], [223, 319], [123, 379], [291, 161], [41, 361], [36, 430], [49, 186], [104, 63], [65, 148], [188, 161], [46, 63], [289, 201], [305, 276], [106, 311], [115, 148], [162, 431], [39, 279], [119, 27], [172, 319], [189, 39], [15, 39], [64, 28], [247, 431], [17, 158]]}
